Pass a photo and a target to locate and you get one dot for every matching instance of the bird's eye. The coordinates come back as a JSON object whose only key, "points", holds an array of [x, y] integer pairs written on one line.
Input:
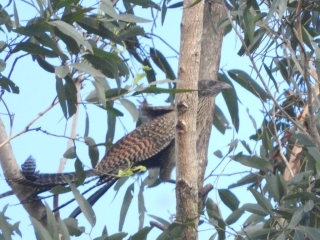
{"points": [[211, 83]]}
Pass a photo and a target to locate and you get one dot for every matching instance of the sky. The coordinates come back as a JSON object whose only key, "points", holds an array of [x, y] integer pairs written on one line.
{"points": [[37, 91]]}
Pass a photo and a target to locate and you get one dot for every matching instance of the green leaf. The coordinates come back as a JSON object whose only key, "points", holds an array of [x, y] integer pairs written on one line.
{"points": [[250, 178], [98, 28], [34, 29], [312, 233], [131, 108], [5, 227], [282, 68], [303, 139], [262, 200], [73, 228], [70, 31], [52, 226], [218, 154], [8, 85], [2, 65], [253, 161], [80, 173], [308, 206], [162, 63], [137, 78], [296, 217], [63, 230], [219, 120], [61, 71], [88, 69], [3, 45], [172, 232], [271, 76], [272, 186], [141, 234], [194, 3], [92, 150], [108, 67], [248, 23], [272, 9], [61, 96], [16, 15], [40, 231], [47, 41], [145, 3], [248, 83], [229, 199], [106, 55], [125, 205], [84, 205], [157, 90], [70, 153], [71, 44], [34, 49], [109, 10], [282, 7], [163, 12], [44, 64], [176, 5], [234, 216], [258, 232], [231, 99], [246, 146], [117, 236], [255, 208]]}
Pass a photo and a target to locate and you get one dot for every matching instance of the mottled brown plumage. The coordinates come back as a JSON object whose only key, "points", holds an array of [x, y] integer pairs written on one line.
{"points": [[151, 145]]}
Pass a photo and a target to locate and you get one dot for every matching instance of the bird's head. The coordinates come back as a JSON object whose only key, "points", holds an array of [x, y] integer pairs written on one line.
{"points": [[207, 88]]}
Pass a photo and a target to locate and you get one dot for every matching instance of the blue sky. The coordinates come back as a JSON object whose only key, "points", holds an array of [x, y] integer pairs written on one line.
{"points": [[37, 91]]}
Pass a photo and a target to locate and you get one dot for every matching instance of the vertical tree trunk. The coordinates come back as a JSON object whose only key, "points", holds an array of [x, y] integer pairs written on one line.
{"points": [[211, 45], [186, 135]]}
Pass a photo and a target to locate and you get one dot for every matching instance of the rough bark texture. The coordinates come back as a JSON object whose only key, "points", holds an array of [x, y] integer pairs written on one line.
{"points": [[11, 170], [186, 104], [211, 45]]}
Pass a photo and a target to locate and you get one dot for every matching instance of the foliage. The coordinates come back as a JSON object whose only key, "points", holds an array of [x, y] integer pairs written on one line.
{"points": [[78, 43]]}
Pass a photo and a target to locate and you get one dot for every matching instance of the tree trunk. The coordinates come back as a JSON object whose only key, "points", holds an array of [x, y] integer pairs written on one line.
{"points": [[211, 45], [11, 170], [186, 104]]}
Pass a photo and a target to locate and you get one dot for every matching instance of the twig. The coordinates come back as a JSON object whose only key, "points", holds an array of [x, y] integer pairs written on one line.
{"points": [[279, 143], [26, 129], [298, 125], [56, 135], [10, 116], [14, 63]]}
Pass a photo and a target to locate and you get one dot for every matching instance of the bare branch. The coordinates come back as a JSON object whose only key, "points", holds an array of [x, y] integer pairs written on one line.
{"points": [[27, 127]]}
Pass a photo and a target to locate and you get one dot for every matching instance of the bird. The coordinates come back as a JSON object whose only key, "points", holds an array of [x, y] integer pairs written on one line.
{"points": [[150, 144]]}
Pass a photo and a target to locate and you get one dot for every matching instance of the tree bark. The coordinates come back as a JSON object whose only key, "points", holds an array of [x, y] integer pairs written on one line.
{"points": [[186, 109], [11, 170], [211, 45]]}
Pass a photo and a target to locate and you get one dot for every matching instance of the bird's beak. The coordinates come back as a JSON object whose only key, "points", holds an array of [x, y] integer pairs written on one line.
{"points": [[223, 86]]}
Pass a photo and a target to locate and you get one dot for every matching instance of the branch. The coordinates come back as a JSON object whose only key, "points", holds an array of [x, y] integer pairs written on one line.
{"points": [[297, 124], [11, 170], [279, 143], [26, 129]]}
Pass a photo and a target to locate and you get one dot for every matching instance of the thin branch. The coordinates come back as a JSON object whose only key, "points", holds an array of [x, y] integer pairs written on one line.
{"points": [[56, 135], [298, 125], [152, 34], [14, 63], [279, 143], [26, 129], [10, 116]]}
